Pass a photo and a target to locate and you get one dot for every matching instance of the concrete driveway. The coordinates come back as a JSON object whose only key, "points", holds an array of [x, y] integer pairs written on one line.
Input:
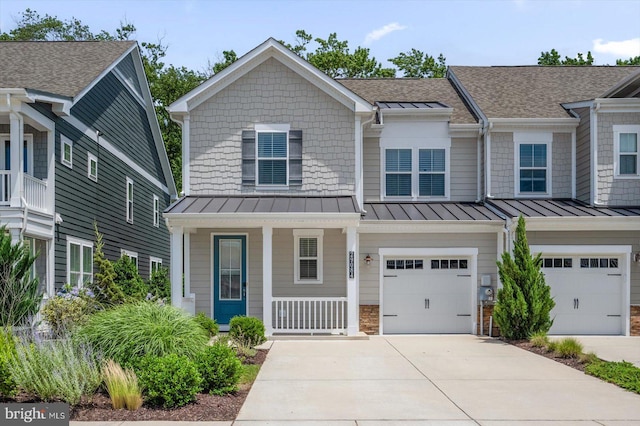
{"points": [[431, 380], [613, 348]]}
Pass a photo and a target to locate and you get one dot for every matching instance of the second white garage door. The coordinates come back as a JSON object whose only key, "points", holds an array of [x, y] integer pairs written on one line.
{"points": [[427, 295]]}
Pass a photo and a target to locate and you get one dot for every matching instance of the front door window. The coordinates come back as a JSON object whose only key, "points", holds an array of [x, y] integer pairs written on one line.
{"points": [[230, 269]]}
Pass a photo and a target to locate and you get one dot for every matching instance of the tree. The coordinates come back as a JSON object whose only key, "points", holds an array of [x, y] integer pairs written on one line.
{"points": [[631, 61], [20, 294], [524, 302], [128, 279], [417, 64], [553, 58], [333, 57], [104, 285]]}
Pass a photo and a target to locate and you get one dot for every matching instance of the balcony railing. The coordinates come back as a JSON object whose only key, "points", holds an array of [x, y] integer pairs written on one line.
{"points": [[309, 315], [35, 191]]}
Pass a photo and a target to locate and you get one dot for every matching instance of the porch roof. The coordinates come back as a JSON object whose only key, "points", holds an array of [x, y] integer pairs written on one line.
{"points": [[560, 208], [421, 211], [263, 204]]}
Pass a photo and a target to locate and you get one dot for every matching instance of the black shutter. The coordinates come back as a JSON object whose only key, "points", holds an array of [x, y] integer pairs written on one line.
{"points": [[295, 158], [248, 158]]}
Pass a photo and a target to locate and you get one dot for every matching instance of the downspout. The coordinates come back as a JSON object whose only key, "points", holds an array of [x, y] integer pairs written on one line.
{"points": [[487, 159], [594, 153], [479, 165], [360, 156]]}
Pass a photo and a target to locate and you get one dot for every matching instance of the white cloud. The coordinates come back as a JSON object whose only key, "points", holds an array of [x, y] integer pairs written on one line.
{"points": [[624, 49], [381, 32]]}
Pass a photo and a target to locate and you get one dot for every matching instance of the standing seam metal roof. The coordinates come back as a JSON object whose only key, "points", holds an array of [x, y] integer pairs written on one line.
{"points": [[421, 211], [214, 204], [559, 208]]}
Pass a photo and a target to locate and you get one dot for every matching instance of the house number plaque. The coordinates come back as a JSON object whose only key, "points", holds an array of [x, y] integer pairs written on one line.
{"points": [[351, 264]]}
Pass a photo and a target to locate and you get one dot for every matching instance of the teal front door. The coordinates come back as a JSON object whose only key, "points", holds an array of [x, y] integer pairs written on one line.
{"points": [[229, 277]]}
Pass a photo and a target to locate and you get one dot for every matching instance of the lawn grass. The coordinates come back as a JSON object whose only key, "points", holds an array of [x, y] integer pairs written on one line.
{"points": [[249, 373], [623, 374]]}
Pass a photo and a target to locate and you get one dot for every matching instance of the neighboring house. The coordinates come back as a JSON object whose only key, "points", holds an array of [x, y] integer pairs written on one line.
{"points": [[324, 206], [81, 145]]}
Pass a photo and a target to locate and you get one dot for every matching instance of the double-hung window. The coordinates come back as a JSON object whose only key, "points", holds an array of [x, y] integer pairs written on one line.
{"points": [[533, 168], [66, 152], [79, 262], [627, 151], [92, 167], [155, 263], [431, 168], [132, 255], [308, 256], [398, 174], [272, 157]]}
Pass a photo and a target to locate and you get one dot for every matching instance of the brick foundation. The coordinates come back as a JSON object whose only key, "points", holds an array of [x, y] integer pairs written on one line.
{"points": [[487, 312], [370, 319], [635, 320]]}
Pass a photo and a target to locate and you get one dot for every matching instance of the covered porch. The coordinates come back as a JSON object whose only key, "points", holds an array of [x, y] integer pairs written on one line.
{"points": [[291, 261]]}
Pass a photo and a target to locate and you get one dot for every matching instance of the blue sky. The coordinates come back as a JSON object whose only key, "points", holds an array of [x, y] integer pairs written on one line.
{"points": [[472, 32]]}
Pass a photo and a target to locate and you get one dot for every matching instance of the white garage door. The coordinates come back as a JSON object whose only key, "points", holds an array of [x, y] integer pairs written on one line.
{"points": [[588, 294], [427, 295]]}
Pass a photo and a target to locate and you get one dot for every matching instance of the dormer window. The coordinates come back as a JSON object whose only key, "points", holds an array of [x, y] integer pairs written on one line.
{"points": [[626, 151]]}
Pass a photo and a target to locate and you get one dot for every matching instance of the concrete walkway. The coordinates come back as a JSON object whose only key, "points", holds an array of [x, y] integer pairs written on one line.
{"points": [[427, 380], [613, 348]]}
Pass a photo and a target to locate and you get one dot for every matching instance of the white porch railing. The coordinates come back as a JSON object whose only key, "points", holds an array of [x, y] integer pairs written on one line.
{"points": [[309, 314], [5, 187], [35, 192]]}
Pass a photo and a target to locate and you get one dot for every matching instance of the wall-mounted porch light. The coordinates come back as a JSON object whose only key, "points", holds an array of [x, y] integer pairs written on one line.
{"points": [[368, 259]]}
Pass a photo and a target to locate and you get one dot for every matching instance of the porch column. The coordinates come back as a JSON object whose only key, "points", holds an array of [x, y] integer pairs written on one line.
{"points": [[51, 171], [177, 246], [17, 136], [352, 283], [267, 286], [187, 262]]}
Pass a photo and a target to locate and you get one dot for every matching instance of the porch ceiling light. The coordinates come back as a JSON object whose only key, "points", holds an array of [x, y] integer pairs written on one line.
{"points": [[368, 259]]}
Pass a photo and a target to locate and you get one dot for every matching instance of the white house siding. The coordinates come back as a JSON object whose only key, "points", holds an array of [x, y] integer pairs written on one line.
{"points": [[502, 158], [612, 191], [201, 268], [583, 155], [486, 243], [272, 94], [334, 283], [561, 165], [595, 238], [464, 169], [371, 171]]}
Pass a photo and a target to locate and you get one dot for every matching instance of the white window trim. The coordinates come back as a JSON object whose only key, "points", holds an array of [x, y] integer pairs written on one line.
{"points": [[28, 138], [307, 233], [153, 260], [131, 255], [127, 201], [156, 211], [415, 174], [63, 142], [272, 128], [532, 138], [617, 129], [82, 244], [90, 158]]}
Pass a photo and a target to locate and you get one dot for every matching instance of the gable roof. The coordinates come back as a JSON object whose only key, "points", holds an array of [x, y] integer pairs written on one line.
{"points": [[271, 48], [55, 67], [536, 91], [411, 90]]}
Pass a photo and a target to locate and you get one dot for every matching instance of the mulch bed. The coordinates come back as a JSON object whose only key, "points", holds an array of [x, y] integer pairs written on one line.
{"points": [[205, 408], [571, 362]]}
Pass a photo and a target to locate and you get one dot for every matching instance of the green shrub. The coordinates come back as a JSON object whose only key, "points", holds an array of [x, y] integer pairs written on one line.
{"points": [[56, 370], [159, 285], [623, 374], [20, 294], [539, 340], [219, 368], [128, 279], [568, 348], [247, 331], [127, 332], [7, 354], [524, 302], [589, 358], [122, 386], [552, 346], [207, 323], [104, 286], [69, 309], [169, 381]]}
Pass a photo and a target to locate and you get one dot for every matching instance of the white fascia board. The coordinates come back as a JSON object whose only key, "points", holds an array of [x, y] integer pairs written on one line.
{"points": [[552, 124], [622, 84], [428, 113], [44, 122], [441, 227], [153, 122], [618, 104], [580, 249], [580, 104], [268, 49], [444, 251], [572, 223], [464, 130], [465, 94], [253, 220], [61, 106]]}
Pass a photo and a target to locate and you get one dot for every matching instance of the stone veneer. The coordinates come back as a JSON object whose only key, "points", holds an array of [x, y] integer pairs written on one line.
{"points": [[272, 94], [635, 320], [487, 311], [370, 319]]}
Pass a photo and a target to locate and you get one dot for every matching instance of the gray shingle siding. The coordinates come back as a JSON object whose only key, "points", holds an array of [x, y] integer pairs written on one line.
{"points": [[112, 109]]}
